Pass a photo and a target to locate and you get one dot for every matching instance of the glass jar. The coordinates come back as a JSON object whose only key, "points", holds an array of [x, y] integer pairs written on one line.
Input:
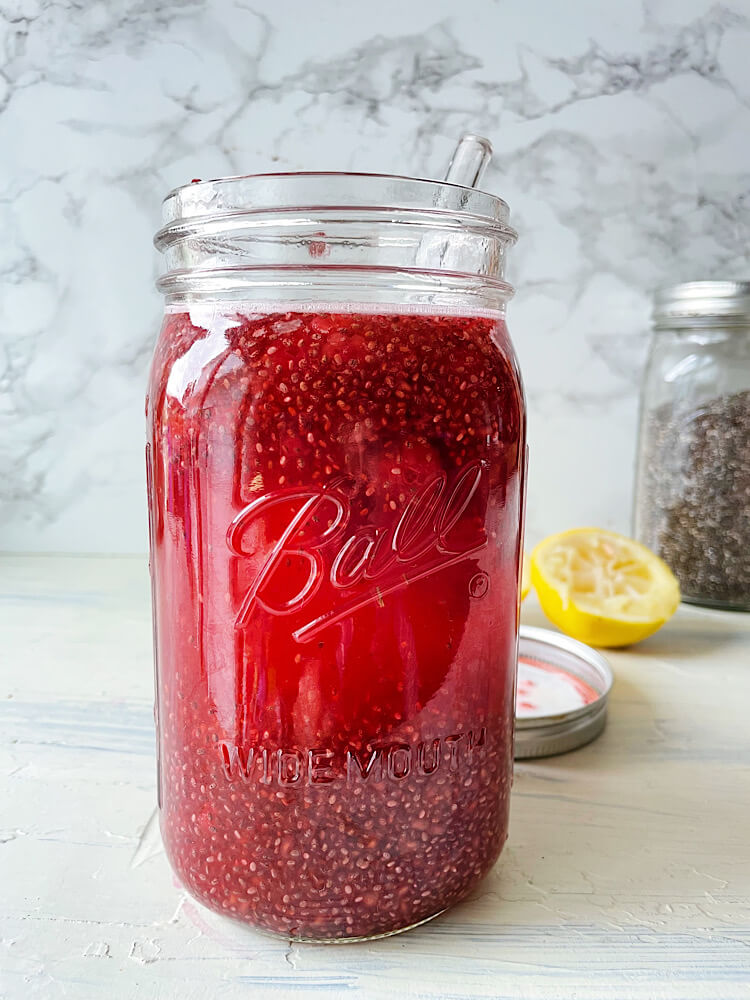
{"points": [[336, 454], [692, 503]]}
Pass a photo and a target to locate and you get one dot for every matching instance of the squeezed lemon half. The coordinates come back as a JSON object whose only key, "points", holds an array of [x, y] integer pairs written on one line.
{"points": [[601, 587]]}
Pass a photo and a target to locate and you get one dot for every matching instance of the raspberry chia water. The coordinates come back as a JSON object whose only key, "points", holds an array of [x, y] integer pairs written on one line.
{"points": [[336, 498]]}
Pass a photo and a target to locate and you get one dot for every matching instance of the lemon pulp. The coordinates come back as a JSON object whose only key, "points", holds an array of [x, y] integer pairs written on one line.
{"points": [[601, 587]]}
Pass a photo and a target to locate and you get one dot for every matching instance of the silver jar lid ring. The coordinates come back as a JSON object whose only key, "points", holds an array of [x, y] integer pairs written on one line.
{"points": [[702, 300], [562, 691]]}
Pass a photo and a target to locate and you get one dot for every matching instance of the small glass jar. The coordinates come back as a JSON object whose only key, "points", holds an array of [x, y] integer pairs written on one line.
{"points": [[692, 501], [336, 455]]}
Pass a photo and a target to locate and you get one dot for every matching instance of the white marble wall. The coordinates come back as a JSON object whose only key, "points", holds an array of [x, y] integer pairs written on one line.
{"points": [[621, 134]]}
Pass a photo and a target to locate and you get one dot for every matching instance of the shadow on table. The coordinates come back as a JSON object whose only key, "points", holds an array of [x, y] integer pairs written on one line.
{"points": [[695, 632]]}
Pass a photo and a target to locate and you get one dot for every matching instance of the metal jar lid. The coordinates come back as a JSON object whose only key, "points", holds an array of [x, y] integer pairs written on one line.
{"points": [[702, 300], [561, 697]]}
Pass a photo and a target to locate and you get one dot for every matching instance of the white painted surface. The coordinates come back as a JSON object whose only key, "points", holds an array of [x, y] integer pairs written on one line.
{"points": [[627, 873], [620, 134]]}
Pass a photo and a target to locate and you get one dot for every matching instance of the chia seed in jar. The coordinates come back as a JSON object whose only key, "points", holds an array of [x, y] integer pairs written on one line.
{"points": [[693, 483]]}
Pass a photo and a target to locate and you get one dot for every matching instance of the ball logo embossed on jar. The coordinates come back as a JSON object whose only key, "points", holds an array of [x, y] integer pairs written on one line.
{"points": [[369, 562]]}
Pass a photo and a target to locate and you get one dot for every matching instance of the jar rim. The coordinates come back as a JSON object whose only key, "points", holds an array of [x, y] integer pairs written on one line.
{"points": [[256, 194], [702, 300]]}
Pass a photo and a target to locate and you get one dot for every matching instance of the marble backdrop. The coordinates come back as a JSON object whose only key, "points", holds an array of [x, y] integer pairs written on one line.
{"points": [[622, 139]]}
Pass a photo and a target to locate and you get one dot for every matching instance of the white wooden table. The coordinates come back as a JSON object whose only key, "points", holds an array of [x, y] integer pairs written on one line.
{"points": [[627, 873]]}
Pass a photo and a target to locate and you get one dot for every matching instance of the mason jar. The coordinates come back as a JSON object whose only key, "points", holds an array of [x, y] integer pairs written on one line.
{"points": [[692, 500], [336, 456]]}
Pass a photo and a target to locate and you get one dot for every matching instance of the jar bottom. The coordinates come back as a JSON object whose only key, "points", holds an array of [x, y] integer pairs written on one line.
{"points": [[716, 605], [243, 927], [367, 937]]}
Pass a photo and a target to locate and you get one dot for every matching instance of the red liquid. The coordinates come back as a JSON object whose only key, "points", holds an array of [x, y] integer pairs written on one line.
{"points": [[336, 503]]}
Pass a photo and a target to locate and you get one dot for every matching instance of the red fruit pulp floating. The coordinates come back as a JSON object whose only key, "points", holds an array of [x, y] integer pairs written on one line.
{"points": [[336, 505]]}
